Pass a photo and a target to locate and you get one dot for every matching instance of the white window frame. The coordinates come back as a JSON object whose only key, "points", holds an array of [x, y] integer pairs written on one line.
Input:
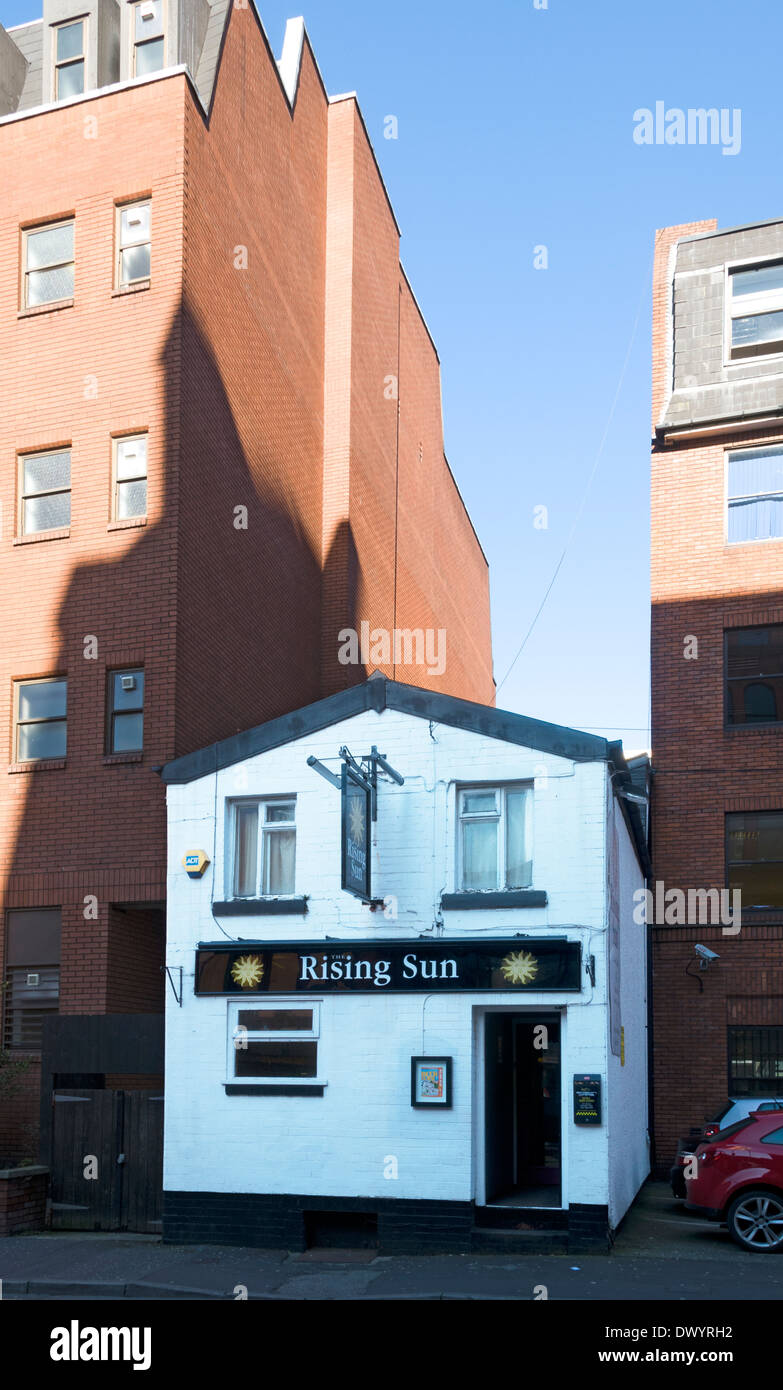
{"points": [[765, 302], [67, 62], [746, 449], [55, 265], [120, 208], [274, 1005], [53, 492], [134, 46], [501, 790], [259, 802], [116, 482], [20, 723]]}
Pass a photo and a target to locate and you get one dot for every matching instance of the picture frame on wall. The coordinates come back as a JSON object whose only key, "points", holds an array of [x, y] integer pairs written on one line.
{"points": [[431, 1082]]}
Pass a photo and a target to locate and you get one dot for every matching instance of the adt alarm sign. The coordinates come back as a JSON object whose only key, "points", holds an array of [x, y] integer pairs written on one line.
{"points": [[587, 1099], [356, 810]]}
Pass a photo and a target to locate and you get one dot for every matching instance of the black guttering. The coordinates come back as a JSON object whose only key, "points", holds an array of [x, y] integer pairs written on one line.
{"points": [[379, 694], [624, 781]]}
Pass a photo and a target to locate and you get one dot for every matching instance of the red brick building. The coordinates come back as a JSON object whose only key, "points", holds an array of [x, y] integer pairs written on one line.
{"points": [[220, 447], [717, 665]]}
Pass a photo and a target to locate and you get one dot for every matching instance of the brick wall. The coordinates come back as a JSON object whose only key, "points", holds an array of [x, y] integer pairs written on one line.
{"points": [[702, 770], [23, 1202], [226, 362]]}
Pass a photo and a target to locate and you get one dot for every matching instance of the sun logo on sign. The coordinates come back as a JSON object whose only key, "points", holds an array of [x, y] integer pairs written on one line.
{"points": [[247, 971], [519, 968], [357, 821]]}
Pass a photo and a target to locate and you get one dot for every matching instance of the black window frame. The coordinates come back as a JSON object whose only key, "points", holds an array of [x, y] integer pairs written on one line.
{"points": [[776, 913], [754, 724]]}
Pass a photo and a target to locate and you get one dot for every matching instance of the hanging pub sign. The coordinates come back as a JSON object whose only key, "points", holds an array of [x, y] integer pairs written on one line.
{"points": [[367, 967], [355, 817]]}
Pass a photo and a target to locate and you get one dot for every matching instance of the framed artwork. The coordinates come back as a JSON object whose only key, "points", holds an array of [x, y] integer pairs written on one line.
{"points": [[431, 1081]]}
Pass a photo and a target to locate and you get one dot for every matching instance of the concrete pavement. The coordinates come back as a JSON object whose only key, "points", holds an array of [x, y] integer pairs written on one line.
{"points": [[661, 1252]]}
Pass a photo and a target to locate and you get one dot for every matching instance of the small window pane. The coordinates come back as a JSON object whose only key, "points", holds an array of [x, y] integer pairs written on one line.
{"points": [[277, 1059], [135, 264], [246, 851], [127, 699], [278, 812], [70, 81], [46, 286], [132, 458], [276, 1020], [479, 855], [754, 651], [755, 836], [149, 57], [46, 513], [46, 472], [70, 41], [279, 851], [50, 246], [519, 867], [754, 473], [759, 703], [756, 329], [148, 20], [776, 1137], [27, 1005], [478, 802], [134, 224], [42, 699], [41, 741], [131, 500], [757, 279], [756, 521], [128, 733]]}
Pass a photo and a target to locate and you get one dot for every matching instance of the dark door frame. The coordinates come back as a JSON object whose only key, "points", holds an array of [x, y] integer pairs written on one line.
{"points": [[481, 1013]]}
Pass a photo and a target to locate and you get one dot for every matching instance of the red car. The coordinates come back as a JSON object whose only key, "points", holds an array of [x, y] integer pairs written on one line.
{"points": [[738, 1180]]}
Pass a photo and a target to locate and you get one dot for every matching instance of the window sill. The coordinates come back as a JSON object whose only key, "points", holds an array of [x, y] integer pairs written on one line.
{"points": [[110, 759], [52, 308], [60, 535], [753, 727], [261, 907], [127, 525], [517, 897], [130, 289], [43, 765], [275, 1088]]}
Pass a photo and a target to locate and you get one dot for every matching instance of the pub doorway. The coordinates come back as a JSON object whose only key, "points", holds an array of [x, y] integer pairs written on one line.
{"points": [[522, 1110]]}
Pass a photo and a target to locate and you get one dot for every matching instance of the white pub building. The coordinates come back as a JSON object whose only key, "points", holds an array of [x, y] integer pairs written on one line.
{"points": [[407, 999]]}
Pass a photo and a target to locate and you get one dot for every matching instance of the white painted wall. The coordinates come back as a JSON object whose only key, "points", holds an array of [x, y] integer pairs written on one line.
{"points": [[627, 1119], [339, 1144]]}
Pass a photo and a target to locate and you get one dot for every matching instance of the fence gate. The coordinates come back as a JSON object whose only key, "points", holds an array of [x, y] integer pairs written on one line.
{"points": [[107, 1160]]}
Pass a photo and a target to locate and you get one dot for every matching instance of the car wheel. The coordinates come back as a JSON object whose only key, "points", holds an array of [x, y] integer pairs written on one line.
{"points": [[755, 1220]]}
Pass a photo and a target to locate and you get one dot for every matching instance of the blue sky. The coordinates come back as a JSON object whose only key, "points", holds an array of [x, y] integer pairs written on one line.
{"points": [[515, 130]]}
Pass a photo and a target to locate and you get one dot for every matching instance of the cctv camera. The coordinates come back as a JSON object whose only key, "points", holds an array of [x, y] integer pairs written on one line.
{"points": [[706, 953]]}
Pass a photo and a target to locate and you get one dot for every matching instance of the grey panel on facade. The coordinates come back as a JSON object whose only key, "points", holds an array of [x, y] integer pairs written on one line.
{"points": [[13, 72], [705, 388], [195, 27], [204, 75], [29, 41]]}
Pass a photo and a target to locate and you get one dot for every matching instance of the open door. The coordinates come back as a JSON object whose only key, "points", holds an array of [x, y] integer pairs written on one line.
{"points": [[522, 1110]]}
